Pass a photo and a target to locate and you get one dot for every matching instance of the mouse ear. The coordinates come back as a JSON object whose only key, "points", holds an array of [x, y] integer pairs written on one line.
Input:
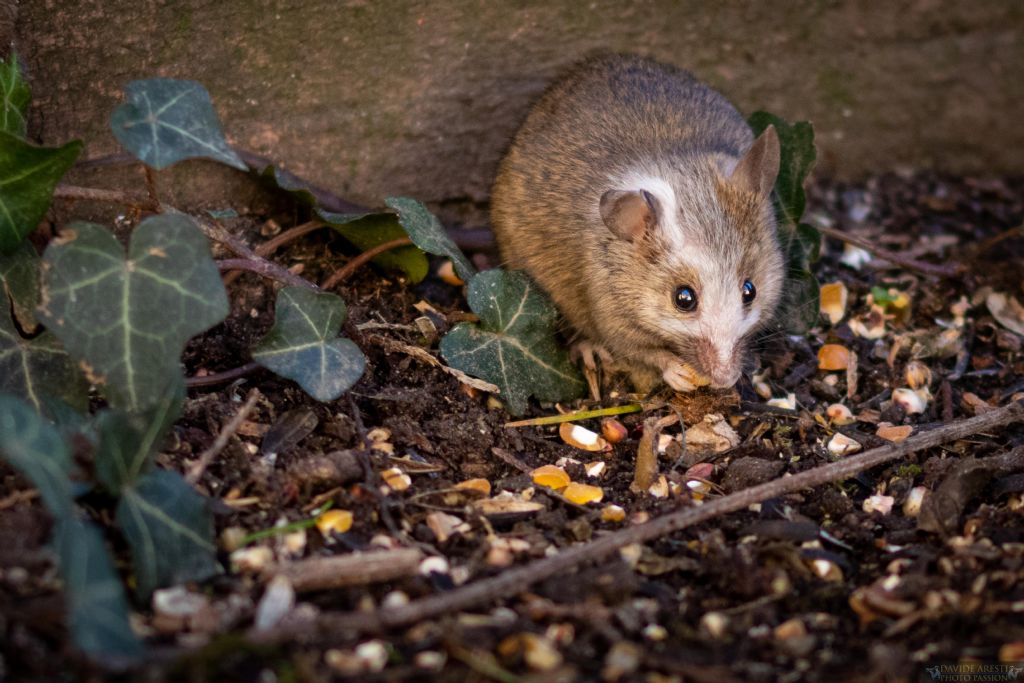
{"points": [[629, 215], [757, 170]]}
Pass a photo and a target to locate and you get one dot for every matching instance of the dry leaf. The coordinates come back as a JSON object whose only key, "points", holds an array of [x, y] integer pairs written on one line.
{"points": [[713, 434]]}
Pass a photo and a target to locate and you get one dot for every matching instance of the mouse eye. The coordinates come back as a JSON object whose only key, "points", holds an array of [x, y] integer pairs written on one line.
{"points": [[749, 292], [686, 299]]}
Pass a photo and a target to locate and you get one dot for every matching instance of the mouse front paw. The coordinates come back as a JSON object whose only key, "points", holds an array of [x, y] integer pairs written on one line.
{"points": [[682, 377], [587, 351]]}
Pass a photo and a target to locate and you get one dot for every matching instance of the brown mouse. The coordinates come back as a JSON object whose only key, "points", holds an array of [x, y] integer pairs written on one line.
{"points": [[638, 198]]}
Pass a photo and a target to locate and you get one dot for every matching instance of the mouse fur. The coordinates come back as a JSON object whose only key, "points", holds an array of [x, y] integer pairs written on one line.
{"points": [[630, 179]]}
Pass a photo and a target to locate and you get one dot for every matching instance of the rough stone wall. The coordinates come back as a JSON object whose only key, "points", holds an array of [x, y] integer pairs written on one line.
{"points": [[371, 98]]}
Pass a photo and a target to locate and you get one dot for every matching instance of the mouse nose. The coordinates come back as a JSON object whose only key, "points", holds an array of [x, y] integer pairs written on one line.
{"points": [[719, 362]]}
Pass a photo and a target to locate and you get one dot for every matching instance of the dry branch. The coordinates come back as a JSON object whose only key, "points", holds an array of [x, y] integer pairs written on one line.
{"points": [[356, 569]]}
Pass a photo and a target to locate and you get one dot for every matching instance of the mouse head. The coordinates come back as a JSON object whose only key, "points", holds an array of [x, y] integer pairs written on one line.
{"points": [[709, 267]]}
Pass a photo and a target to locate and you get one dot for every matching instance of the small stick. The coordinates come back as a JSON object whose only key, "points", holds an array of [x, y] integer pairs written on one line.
{"points": [[578, 415], [948, 271], [267, 269], [518, 580], [196, 471], [357, 261], [221, 377], [355, 569], [421, 354], [270, 246], [239, 248], [94, 194]]}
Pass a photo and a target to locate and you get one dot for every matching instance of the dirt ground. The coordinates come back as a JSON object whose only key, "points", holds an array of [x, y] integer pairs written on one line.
{"points": [[809, 586]]}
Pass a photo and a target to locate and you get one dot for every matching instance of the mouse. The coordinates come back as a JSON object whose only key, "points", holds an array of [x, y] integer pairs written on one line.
{"points": [[640, 201]]}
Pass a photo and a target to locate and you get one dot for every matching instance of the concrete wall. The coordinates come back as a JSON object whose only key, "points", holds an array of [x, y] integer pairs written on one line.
{"points": [[372, 98]]}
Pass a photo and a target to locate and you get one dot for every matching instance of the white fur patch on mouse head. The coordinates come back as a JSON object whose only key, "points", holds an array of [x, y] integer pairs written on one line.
{"points": [[712, 270]]}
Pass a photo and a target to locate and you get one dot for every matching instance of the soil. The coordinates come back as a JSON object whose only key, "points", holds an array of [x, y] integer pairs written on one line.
{"points": [[809, 586]]}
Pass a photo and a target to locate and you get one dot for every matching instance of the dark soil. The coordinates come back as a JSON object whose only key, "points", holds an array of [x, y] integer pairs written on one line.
{"points": [[806, 587]]}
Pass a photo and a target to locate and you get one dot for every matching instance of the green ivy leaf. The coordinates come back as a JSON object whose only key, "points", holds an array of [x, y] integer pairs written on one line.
{"points": [[35, 448], [28, 175], [290, 184], [304, 345], [165, 121], [128, 442], [796, 158], [514, 346], [19, 275], [366, 231], [97, 607], [14, 97], [170, 530], [129, 320], [429, 235], [38, 368]]}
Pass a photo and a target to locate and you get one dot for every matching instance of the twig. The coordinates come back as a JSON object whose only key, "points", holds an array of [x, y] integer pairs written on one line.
{"points": [[578, 415], [357, 261], [270, 246], [18, 497], [515, 581], [267, 269], [154, 196], [355, 569], [226, 432], [239, 248], [949, 271], [420, 354], [221, 377], [1016, 231], [95, 194]]}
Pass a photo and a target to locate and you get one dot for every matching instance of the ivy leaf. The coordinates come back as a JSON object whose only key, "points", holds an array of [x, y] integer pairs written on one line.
{"points": [[128, 442], [304, 345], [38, 368], [514, 346], [170, 530], [129, 320], [366, 231], [14, 97], [97, 607], [19, 275], [35, 448], [165, 121], [796, 158], [28, 175], [429, 235], [284, 180]]}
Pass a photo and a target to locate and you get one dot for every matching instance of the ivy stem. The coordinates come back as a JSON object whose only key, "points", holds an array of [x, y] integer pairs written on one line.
{"points": [[352, 266], [258, 267], [221, 377], [270, 246]]}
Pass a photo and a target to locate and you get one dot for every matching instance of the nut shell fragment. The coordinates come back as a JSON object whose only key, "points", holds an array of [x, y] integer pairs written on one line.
{"points": [[833, 357], [551, 476], [833, 301], [582, 438], [581, 494], [334, 521]]}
